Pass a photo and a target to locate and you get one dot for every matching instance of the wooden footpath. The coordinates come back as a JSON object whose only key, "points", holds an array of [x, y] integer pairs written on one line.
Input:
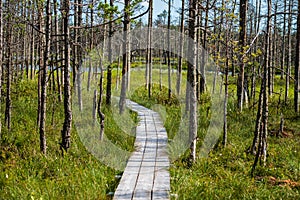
{"points": [[146, 175]]}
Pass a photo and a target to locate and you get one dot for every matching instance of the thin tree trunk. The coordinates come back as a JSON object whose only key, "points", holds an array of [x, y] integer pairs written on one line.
{"points": [[289, 62], [257, 130], [59, 88], [45, 42], [283, 41], [118, 68], [297, 64], [149, 50], [32, 51], [192, 80], [126, 56], [91, 46], [1, 53], [109, 68], [226, 81], [101, 115], [9, 70], [274, 58], [262, 145], [180, 60], [66, 132], [232, 49], [168, 52], [78, 56], [203, 52], [242, 43]]}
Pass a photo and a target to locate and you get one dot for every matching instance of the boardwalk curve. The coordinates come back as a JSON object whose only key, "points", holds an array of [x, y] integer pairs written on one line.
{"points": [[146, 175]]}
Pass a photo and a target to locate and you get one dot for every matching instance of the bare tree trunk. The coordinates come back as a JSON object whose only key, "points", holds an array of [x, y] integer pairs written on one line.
{"points": [[242, 43], [226, 78], [78, 56], [24, 64], [118, 68], [66, 132], [126, 56], [273, 58], [271, 49], [297, 64], [180, 60], [283, 41], [43, 71], [199, 53], [149, 50], [1, 53], [262, 144], [101, 115], [91, 46], [32, 51], [192, 80], [231, 35], [169, 49], [59, 88], [9, 70], [203, 54], [257, 130], [109, 68], [289, 62]]}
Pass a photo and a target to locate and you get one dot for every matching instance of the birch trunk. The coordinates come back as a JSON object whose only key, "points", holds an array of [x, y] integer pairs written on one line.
{"points": [[66, 132], [192, 80]]}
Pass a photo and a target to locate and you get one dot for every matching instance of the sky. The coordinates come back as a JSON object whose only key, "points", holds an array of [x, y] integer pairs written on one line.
{"points": [[160, 5]]}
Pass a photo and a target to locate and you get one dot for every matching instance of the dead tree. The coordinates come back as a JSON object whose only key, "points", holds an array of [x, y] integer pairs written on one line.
{"points": [[66, 132]]}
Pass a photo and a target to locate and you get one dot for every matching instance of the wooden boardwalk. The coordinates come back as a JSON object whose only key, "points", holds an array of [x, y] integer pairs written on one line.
{"points": [[146, 175]]}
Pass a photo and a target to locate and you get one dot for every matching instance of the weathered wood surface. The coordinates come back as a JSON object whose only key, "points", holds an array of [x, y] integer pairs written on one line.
{"points": [[147, 172]]}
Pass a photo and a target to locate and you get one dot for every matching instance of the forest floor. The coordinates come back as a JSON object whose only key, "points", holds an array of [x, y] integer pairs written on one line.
{"points": [[224, 174]]}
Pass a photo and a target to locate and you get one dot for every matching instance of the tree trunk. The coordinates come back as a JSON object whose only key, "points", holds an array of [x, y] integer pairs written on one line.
{"points": [[242, 43], [289, 62], [297, 64], [101, 115], [78, 56], [43, 71], [149, 50], [109, 68], [226, 79], [9, 70], [180, 60], [126, 56], [56, 32], [192, 79], [91, 46], [1, 53], [283, 41], [66, 132], [262, 144], [169, 49], [203, 52]]}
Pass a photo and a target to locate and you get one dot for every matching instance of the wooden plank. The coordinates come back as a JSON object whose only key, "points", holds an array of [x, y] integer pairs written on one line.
{"points": [[146, 175]]}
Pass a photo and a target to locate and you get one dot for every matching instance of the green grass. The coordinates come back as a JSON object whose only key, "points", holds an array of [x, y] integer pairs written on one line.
{"points": [[27, 174], [224, 174]]}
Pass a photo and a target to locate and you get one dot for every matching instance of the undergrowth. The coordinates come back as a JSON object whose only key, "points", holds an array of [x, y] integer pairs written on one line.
{"points": [[226, 172], [27, 174]]}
